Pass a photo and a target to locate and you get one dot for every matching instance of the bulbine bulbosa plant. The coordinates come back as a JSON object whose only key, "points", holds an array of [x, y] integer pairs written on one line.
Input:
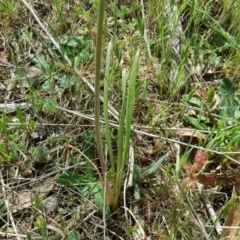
{"points": [[118, 162]]}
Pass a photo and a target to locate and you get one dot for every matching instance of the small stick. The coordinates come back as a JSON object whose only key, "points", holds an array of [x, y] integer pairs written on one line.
{"points": [[210, 209], [201, 225]]}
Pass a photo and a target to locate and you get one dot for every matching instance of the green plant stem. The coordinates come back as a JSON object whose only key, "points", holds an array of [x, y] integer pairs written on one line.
{"points": [[106, 116], [97, 95], [125, 127]]}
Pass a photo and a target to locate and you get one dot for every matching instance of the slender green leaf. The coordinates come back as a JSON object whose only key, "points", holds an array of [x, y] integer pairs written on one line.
{"points": [[137, 195], [122, 121], [124, 133], [106, 118], [130, 104], [100, 200], [210, 95], [154, 166]]}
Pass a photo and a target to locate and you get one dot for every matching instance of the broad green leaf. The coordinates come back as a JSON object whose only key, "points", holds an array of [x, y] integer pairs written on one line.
{"points": [[32, 124], [210, 95], [228, 107], [100, 200], [77, 60], [66, 81], [72, 43], [137, 172], [194, 123], [137, 192], [130, 230], [192, 100], [41, 62], [195, 102], [226, 88], [227, 104], [74, 236], [237, 114], [154, 166], [187, 97], [227, 207], [84, 55], [70, 179], [125, 10], [28, 236]]}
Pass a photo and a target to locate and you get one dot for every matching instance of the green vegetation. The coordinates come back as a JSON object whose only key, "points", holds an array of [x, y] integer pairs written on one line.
{"points": [[111, 114]]}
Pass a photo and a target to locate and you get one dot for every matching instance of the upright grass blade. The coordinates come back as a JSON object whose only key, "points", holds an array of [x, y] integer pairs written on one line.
{"points": [[97, 97], [106, 119], [120, 140], [130, 105], [125, 127]]}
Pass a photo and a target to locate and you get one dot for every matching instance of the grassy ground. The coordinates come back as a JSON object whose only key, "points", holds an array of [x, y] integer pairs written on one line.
{"points": [[185, 130]]}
